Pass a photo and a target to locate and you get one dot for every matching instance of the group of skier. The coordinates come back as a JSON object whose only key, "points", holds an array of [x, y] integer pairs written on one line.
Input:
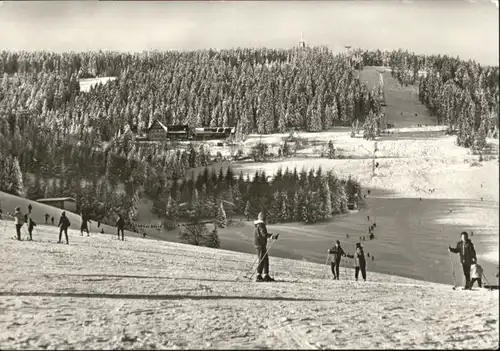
{"points": [[336, 253], [472, 270], [20, 219], [261, 236], [465, 248]]}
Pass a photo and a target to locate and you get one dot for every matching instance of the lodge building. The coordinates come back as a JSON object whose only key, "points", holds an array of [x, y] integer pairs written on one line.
{"points": [[157, 131]]}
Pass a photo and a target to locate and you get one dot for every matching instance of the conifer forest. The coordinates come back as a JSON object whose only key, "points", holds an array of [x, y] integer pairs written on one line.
{"points": [[56, 140]]}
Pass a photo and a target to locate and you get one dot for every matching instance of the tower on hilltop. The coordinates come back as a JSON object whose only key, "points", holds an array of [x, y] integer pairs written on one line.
{"points": [[302, 43]]}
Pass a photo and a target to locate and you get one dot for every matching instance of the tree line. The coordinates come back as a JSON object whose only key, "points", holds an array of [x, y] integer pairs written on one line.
{"points": [[287, 196]]}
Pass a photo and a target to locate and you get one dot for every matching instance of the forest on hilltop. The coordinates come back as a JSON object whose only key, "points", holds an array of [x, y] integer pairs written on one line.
{"points": [[58, 141]]}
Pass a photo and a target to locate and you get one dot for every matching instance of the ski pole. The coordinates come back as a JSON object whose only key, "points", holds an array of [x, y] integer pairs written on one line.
{"points": [[251, 267], [262, 259], [326, 265], [484, 276], [345, 271], [453, 270]]}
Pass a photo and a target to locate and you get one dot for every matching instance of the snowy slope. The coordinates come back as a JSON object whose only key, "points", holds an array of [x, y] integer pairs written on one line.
{"points": [[99, 293], [9, 202]]}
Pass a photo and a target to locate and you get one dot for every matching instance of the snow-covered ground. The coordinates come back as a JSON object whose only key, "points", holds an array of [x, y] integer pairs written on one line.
{"points": [[413, 163], [99, 293], [87, 83]]}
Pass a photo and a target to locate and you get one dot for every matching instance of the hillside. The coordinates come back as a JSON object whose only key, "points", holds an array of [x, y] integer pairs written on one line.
{"points": [[403, 108], [102, 294], [8, 203], [411, 235]]}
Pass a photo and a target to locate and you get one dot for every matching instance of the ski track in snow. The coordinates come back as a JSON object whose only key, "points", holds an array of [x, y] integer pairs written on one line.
{"points": [[101, 294]]}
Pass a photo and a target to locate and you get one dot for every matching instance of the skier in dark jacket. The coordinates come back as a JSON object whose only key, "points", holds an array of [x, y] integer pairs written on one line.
{"points": [[84, 227], [359, 261], [31, 224], [64, 224], [52, 220], [260, 241], [47, 218], [465, 248], [120, 225], [337, 253]]}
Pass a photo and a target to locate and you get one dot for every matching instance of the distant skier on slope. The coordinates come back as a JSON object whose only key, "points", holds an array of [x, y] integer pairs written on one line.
{"points": [[359, 261], [465, 248], [120, 226], [47, 218], [64, 224], [84, 227], [260, 241], [19, 221], [337, 253], [31, 224]]}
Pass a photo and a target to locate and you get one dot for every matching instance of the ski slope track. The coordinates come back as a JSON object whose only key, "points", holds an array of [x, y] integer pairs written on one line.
{"points": [[99, 293]]}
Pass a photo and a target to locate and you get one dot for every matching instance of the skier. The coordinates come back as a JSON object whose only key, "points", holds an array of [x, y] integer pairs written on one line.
{"points": [[52, 220], [359, 261], [64, 224], [1, 213], [476, 272], [337, 253], [465, 248], [120, 225], [46, 218], [368, 217], [347, 236], [19, 221], [260, 241], [372, 236], [84, 227], [31, 224], [144, 235], [30, 208]]}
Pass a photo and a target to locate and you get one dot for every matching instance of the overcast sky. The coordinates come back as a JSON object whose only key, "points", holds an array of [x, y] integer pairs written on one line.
{"points": [[468, 28]]}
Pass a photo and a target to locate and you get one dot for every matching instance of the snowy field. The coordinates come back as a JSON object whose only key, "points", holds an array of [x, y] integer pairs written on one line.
{"points": [[412, 235], [87, 83], [99, 293]]}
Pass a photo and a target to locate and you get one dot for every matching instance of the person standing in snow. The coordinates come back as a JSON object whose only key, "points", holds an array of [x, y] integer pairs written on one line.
{"points": [[260, 241], [46, 218], [465, 248], [52, 220], [84, 227], [476, 273], [359, 261], [64, 224], [31, 224], [120, 225], [337, 253], [19, 221]]}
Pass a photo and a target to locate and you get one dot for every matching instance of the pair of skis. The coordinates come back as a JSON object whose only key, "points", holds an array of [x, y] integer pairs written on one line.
{"points": [[260, 261]]}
